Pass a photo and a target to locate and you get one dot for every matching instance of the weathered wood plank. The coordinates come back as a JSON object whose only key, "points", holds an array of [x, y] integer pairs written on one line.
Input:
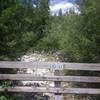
{"points": [[51, 90], [30, 77], [57, 85], [50, 65]]}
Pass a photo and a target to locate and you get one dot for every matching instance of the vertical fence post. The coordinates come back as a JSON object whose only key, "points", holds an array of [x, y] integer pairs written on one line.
{"points": [[57, 84]]}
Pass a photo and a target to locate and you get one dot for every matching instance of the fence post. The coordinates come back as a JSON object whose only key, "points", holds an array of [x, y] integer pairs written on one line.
{"points": [[57, 84]]}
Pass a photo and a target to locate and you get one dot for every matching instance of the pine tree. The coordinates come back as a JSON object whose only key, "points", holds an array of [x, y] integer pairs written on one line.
{"points": [[60, 12]]}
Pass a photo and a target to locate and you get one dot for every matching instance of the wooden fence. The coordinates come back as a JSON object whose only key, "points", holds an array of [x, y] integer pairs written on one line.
{"points": [[58, 89]]}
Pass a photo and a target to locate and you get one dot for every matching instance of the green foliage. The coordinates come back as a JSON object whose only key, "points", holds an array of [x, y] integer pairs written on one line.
{"points": [[21, 28], [76, 35], [24, 27], [3, 98], [64, 36], [7, 97], [91, 29]]}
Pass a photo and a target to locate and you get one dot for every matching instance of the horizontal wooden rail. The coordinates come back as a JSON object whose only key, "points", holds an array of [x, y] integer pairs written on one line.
{"points": [[50, 65], [30, 77], [53, 66], [51, 90]]}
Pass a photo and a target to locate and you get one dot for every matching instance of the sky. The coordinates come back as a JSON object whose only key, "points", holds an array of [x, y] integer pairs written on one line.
{"points": [[65, 5]]}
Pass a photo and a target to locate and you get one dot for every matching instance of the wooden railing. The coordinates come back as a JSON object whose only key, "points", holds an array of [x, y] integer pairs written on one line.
{"points": [[58, 89]]}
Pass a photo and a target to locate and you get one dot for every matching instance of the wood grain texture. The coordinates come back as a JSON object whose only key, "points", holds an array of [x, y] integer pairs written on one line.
{"points": [[50, 65], [51, 90], [30, 77]]}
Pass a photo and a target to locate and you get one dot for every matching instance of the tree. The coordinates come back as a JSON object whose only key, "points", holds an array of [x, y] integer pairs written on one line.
{"points": [[63, 36], [21, 29], [90, 29], [44, 15], [4, 4], [29, 26], [90, 24], [60, 12], [80, 2]]}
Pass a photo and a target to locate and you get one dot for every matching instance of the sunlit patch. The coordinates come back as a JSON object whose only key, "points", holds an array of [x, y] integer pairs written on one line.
{"points": [[64, 5]]}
